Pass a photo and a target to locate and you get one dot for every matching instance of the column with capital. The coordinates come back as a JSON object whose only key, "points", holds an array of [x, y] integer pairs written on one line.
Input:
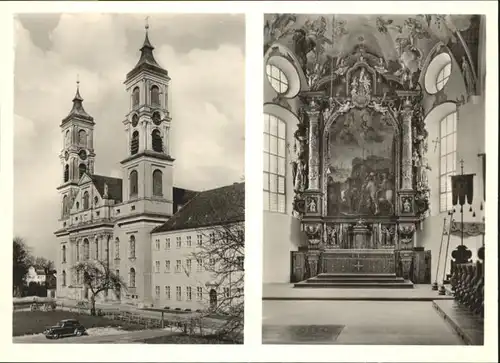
{"points": [[407, 152], [313, 115]]}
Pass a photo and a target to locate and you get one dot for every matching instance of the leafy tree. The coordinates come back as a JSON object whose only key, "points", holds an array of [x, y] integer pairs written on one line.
{"points": [[98, 277], [20, 265]]}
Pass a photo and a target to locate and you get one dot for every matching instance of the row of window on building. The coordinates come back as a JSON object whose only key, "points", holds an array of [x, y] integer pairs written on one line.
{"points": [[189, 293], [178, 242]]}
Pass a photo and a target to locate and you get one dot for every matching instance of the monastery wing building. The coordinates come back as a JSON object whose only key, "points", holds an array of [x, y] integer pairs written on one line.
{"points": [[112, 219]]}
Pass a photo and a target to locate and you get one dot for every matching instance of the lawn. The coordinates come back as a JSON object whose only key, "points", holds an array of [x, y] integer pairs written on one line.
{"points": [[186, 339], [35, 322]]}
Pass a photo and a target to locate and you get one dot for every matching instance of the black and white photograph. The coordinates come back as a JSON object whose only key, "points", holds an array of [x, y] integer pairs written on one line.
{"points": [[129, 193], [374, 179]]}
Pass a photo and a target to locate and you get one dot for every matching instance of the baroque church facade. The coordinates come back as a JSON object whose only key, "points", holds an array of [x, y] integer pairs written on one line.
{"points": [[111, 219]]}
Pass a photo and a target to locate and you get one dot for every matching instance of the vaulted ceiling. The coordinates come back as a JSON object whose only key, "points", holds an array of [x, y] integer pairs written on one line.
{"points": [[397, 38]]}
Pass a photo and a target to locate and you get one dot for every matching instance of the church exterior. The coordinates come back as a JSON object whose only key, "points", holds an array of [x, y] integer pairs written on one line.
{"points": [[112, 219]]}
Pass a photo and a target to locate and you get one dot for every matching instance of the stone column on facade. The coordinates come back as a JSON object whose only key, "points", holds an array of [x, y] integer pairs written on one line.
{"points": [[165, 141], [313, 114], [407, 153]]}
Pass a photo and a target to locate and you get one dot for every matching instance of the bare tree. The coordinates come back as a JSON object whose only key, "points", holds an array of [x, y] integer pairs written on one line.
{"points": [[222, 256], [98, 277]]}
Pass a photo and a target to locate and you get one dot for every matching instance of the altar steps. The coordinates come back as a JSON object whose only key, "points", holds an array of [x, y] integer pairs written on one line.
{"points": [[366, 281]]}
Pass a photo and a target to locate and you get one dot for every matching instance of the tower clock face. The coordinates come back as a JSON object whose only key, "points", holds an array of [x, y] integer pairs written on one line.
{"points": [[135, 120], [156, 118], [82, 154], [66, 155]]}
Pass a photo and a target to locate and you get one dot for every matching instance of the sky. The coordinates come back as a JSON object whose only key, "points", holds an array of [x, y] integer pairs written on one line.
{"points": [[204, 55]]}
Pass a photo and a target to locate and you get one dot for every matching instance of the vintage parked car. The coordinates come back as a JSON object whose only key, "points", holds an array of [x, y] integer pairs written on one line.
{"points": [[67, 327]]}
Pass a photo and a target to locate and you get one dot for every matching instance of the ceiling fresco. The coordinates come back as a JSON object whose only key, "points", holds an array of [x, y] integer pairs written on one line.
{"points": [[398, 44]]}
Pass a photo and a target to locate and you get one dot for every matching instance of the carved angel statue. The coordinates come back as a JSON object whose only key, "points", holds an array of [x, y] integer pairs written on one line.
{"points": [[365, 82], [341, 67], [380, 67], [468, 77], [313, 75], [344, 107], [327, 112], [378, 107], [299, 182]]}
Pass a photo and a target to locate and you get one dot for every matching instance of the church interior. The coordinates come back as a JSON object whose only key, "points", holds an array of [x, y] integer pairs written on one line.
{"points": [[374, 171]]}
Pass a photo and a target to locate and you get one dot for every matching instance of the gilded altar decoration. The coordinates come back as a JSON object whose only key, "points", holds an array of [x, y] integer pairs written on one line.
{"points": [[406, 232]]}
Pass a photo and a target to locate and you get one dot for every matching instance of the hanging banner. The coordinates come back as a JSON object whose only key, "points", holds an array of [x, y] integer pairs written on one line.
{"points": [[462, 188]]}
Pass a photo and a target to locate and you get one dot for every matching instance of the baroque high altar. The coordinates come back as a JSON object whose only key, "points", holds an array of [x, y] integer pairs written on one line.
{"points": [[358, 171]]}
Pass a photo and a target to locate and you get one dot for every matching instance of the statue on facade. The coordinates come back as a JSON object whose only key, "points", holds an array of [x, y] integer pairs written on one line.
{"points": [[106, 191], [468, 77]]}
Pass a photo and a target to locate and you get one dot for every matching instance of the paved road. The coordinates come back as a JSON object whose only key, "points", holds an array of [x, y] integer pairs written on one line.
{"points": [[122, 338]]}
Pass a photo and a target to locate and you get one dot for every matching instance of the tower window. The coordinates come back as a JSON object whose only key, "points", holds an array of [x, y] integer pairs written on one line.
{"points": [[131, 278], [134, 143], [117, 248], [82, 138], [65, 208], [67, 138], [83, 169], [64, 278], [157, 141], [63, 254], [133, 183], [135, 97], [66, 173], [157, 183], [86, 204], [155, 96], [86, 249], [131, 247]]}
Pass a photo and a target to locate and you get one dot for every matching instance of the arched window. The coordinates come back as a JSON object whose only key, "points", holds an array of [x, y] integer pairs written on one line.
{"points": [[133, 183], [448, 157], [67, 138], [82, 138], [155, 96], [134, 143], [86, 200], [63, 254], [157, 141], [64, 278], [66, 173], [86, 249], [157, 183], [82, 168], [65, 206], [443, 76], [131, 277], [131, 247], [117, 248], [274, 163], [277, 78], [135, 97], [96, 244]]}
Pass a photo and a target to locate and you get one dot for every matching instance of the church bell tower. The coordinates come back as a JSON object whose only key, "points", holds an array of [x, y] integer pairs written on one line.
{"points": [[77, 154], [148, 167]]}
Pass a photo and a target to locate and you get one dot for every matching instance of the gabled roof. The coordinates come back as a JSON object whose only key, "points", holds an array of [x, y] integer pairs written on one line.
{"points": [[209, 208], [181, 197], [114, 186]]}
